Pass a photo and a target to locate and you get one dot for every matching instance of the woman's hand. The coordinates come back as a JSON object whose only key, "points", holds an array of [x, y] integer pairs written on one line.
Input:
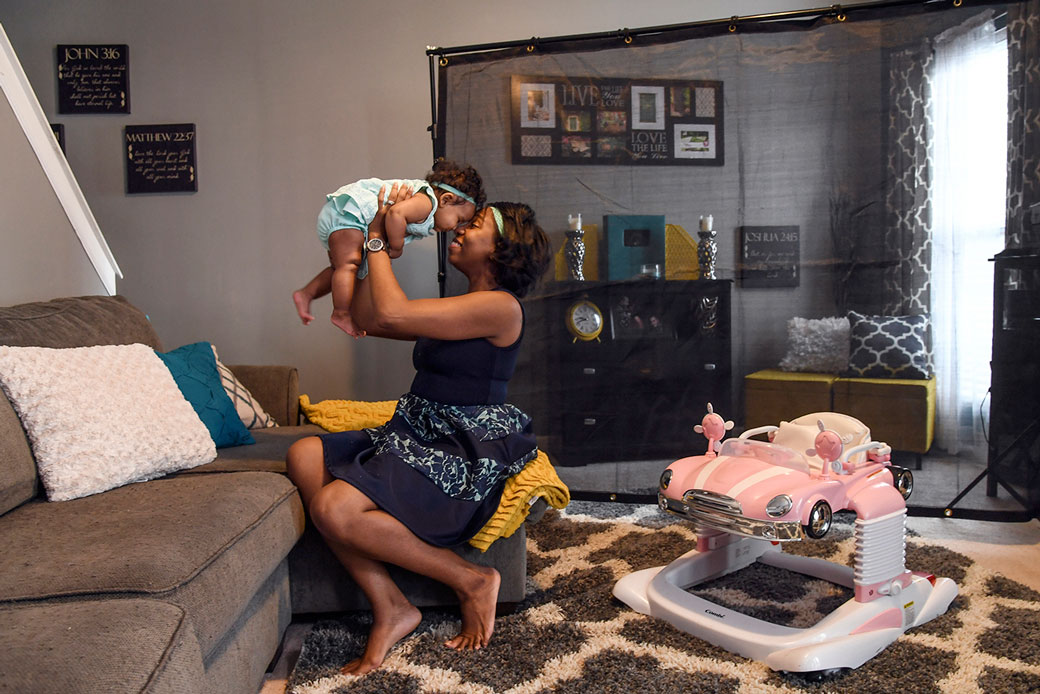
{"points": [[396, 194]]}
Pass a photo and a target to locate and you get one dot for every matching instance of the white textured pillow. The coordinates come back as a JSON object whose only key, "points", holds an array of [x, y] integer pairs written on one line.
{"points": [[817, 345], [251, 412], [100, 417]]}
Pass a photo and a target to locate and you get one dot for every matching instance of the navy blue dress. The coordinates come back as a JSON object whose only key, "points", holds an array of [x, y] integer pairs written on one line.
{"points": [[440, 463]]}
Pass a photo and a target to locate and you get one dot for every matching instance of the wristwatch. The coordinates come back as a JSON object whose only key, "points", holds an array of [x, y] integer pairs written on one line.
{"points": [[374, 245]]}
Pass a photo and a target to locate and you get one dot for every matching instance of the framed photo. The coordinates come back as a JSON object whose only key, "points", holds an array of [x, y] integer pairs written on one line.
{"points": [[695, 141], [537, 105], [647, 108], [633, 318]]}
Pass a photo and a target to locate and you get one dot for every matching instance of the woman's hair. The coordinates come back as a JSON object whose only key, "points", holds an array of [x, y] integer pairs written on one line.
{"points": [[522, 251], [464, 178]]}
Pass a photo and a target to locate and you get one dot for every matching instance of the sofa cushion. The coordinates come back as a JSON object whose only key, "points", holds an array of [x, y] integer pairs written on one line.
{"points": [[250, 411], [76, 322], [194, 368], [99, 646], [17, 466], [266, 455], [101, 416], [889, 347], [204, 542], [817, 345]]}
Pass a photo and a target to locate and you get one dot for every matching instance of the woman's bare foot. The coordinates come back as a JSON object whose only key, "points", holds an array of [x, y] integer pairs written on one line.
{"points": [[477, 603], [303, 306], [342, 320], [385, 633]]}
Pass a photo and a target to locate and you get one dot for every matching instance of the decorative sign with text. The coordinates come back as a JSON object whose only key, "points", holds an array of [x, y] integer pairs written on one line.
{"points": [[769, 256], [160, 158], [570, 120], [93, 79]]}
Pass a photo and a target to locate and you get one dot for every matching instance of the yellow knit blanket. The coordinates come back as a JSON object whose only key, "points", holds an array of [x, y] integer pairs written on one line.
{"points": [[537, 479]]}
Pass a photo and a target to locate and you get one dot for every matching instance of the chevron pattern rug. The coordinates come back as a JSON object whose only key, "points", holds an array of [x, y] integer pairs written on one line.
{"points": [[570, 635]]}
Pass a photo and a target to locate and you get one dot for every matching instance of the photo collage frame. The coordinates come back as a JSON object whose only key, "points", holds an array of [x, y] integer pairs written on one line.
{"points": [[616, 121]]}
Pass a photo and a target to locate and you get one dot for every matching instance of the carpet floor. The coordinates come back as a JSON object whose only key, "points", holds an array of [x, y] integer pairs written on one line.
{"points": [[570, 635]]}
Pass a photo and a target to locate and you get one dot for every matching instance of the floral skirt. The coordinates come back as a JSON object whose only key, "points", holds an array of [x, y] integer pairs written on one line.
{"points": [[439, 469]]}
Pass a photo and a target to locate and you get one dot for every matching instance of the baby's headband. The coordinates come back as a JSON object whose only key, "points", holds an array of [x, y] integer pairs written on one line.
{"points": [[498, 220], [456, 191]]}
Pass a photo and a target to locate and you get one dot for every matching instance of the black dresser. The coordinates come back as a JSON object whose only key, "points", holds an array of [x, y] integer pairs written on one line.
{"points": [[633, 374]]}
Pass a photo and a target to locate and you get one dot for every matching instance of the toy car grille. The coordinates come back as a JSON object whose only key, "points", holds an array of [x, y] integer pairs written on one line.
{"points": [[710, 501]]}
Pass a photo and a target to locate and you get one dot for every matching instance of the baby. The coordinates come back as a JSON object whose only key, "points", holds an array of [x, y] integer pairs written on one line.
{"points": [[446, 200]]}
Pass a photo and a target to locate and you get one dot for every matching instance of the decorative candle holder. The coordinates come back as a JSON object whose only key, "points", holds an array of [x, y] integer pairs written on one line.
{"points": [[707, 249], [575, 249]]}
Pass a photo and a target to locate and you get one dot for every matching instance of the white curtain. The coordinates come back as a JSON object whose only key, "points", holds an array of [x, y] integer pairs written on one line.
{"points": [[969, 118]]}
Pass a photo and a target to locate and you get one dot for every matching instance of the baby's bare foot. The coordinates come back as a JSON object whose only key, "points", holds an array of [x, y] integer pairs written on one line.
{"points": [[343, 321], [477, 604], [384, 634], [303, 306]]}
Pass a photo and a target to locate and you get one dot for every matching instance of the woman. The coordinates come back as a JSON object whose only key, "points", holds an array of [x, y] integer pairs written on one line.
{"points": [[429, 479]]}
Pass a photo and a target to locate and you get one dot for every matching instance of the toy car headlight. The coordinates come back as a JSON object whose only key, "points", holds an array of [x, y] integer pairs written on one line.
{"points": [[779, 505], [666, 478]]}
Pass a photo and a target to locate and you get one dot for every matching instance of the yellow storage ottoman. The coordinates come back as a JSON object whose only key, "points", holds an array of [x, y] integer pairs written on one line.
{"points": [[772, 396], [900, 412]]}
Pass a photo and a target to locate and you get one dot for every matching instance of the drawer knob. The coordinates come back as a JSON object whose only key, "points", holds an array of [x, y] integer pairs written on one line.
{"points": [[589, 371], [589, 421], [709, 367]]}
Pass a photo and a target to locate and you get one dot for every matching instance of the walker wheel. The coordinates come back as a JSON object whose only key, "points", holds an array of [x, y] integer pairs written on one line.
{"points": [[821, 675]]}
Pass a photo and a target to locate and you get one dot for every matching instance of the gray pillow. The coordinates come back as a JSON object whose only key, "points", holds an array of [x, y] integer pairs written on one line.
{"points": [[889, 347]]}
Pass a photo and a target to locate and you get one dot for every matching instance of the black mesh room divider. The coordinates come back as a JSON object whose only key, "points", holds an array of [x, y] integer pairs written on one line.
{"points": [[730, 176]]}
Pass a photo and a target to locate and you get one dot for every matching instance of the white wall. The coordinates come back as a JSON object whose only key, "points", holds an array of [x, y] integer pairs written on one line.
{"points": [[290, 100]]}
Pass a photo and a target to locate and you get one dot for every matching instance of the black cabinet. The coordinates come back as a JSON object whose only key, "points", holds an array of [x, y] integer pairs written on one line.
{"points": [[1014, 430], [635, 391]]}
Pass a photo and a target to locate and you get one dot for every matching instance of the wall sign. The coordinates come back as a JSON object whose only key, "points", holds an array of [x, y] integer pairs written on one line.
{"points": [[160, 158], [572, 120], [93, 79], [769, 256], [59, 134]]}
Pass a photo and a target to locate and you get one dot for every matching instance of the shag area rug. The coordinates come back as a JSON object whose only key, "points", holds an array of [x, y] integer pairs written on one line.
{"points": [[572, 635]]}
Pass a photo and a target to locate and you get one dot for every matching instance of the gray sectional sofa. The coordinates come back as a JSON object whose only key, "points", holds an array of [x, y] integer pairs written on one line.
{"points": [[181, 584]]}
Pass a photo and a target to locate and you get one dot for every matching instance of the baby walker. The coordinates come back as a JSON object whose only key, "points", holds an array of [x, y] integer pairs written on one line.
{"points": [[746, 497]]}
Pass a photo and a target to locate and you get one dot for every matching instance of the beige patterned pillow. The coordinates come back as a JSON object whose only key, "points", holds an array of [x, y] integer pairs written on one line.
{"points": [[249, 410], [101, 417]]}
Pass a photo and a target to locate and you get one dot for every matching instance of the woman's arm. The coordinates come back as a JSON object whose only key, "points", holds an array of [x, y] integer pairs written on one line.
{"points": [[383, 310]]}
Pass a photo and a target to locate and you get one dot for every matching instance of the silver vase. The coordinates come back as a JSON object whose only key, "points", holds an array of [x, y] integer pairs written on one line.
{"points": [[707, 249], [575, 253]]}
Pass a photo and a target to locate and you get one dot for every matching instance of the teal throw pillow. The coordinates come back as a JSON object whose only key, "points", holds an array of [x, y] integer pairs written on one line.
{"points": [[194, 369]]}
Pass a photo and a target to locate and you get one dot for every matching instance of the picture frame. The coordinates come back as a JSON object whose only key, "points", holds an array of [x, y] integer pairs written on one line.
{"points": [[647, 108], [616, 121], [770, 256], [93, 78], [632, 318], [537, 105]]}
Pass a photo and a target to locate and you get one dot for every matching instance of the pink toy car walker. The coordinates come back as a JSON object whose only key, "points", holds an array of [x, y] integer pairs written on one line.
{"points": [[746, 497]]}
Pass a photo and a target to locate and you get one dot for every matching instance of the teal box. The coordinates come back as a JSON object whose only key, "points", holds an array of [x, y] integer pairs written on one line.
{"points": [[629, 243]]}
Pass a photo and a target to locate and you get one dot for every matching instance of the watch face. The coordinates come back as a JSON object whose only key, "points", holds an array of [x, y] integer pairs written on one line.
{"points": [[585, 320]]}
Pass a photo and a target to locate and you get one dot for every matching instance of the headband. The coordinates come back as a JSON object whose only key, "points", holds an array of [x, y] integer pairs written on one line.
{"points": [[456, 191], [498, 220]]}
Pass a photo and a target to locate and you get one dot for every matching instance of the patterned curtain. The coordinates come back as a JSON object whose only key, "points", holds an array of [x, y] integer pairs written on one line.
{"points": [[1023, 33], [908, 232]]}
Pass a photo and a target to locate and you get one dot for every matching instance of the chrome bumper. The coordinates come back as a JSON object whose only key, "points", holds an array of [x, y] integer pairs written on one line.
{"points": [[731, 523]]}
